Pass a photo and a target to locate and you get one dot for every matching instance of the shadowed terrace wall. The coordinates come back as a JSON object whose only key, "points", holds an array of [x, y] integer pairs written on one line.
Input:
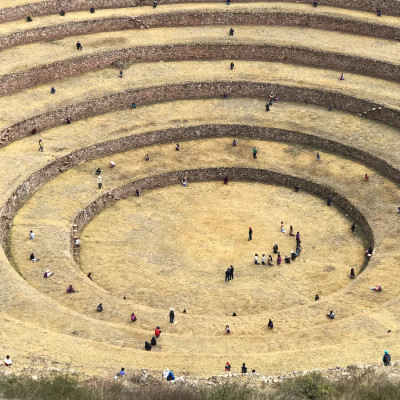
{"points": [[196, 90], [390, 7], [216, 174], [51, 170], [288, 54], [196, 18]]}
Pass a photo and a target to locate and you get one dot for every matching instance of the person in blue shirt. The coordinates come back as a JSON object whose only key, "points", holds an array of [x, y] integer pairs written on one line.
{"points": [[170, 376], [121, 373]]}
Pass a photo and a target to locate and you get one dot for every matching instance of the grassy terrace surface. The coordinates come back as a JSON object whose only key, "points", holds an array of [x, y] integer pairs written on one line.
{"points": [[78, 187], [169, 247], [44, 53], [95, 84], [52, 20], [376, 138]]}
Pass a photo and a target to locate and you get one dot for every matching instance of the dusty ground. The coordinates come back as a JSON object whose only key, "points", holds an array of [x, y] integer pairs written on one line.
{"points": [[95, 84], [46, 52], [50, 20], [308, 332], [171, 231], [376, 138], [171, 247]]}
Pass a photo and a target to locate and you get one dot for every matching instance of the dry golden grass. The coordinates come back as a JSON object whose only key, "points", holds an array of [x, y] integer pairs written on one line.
{"points": [[167, 232], [100, 83], [46, 52], [51, 20], [285, 295], [376, 138]]}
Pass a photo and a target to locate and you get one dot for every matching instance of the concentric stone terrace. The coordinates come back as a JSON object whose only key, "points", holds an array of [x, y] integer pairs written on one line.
{"points": [[146, 79]]}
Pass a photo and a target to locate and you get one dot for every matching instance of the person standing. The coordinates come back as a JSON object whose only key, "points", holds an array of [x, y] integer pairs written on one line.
{"points": [[318, 157], [386, 359], [270, 324], [232, 65], [244, 369], [231, 32], [171, 315], [99, 181], [227, 275], [250, 234], [255, 149], [40, 145], [231, 272]]}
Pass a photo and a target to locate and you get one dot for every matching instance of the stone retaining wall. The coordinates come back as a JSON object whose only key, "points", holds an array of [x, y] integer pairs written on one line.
{"points": [[287, 54], [197, 90], [217, 174], [51, 170], [389, 7], [196, 18]]}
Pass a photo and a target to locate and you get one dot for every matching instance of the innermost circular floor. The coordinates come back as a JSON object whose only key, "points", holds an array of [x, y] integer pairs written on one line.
{"points": [[170, 247]]}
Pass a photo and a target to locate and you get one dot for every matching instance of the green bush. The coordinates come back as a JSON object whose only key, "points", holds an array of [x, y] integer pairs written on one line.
{"points": [[313, 387]]}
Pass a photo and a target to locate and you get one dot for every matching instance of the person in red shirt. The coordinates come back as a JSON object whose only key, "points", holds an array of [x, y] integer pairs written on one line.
{"points": [[157, 332]]}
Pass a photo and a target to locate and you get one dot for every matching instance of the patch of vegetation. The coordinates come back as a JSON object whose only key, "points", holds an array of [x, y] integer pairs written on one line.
{"points": [[364, 386]]}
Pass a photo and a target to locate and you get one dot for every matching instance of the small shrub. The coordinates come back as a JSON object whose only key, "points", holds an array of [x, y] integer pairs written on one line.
{"points": [[311, 387]]}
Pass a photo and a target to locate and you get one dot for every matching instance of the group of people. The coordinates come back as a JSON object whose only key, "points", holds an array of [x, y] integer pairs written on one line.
{"points": [[293, 254]]}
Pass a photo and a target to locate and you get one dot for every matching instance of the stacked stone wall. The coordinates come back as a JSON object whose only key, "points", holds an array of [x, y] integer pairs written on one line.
{"points": [[198, 90], [287, 54], [389, 7], [198, 18]]}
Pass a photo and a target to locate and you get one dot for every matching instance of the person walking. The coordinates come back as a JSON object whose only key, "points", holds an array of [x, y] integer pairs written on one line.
{"points": [[270, 324], [232, 65], [318, 157], [40, 145], [250, 233], [231, 32], [171, 315], [99, 181]]}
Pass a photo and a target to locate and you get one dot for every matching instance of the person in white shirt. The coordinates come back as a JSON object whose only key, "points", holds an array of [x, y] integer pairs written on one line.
{"points": [[31, 235], [7, 361], [47, 274]]}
